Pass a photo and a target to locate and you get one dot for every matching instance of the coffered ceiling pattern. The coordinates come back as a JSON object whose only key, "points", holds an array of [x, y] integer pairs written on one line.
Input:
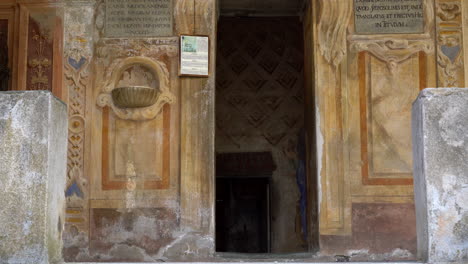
{"points": [[260, 7]]}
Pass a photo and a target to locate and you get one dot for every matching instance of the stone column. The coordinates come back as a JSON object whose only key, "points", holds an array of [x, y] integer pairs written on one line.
{"points": [[440, 150], [33, 158]]}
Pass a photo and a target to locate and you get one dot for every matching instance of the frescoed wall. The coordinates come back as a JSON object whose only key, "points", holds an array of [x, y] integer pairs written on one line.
{"points": [[140, 182], [364, 88]]}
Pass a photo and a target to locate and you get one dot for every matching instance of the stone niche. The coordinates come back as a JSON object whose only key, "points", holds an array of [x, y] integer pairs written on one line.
{"points": [[137, 89]]}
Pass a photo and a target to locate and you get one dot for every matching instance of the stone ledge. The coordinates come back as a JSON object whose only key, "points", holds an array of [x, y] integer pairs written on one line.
{"points": [[260, 262], [33, 147]]}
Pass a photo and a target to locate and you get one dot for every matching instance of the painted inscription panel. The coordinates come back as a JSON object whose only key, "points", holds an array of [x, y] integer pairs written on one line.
{"points": [[138, 18], [388, 16]]}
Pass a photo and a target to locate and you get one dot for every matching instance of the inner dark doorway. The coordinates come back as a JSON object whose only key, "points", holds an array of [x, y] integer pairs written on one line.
{"points": [[260, 108], [242, 214]]}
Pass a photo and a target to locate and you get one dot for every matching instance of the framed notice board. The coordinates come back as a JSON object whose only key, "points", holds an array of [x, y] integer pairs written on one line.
{"points": [[194, 56]]}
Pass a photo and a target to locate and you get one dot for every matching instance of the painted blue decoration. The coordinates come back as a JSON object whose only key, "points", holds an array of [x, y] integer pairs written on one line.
{"points": [[74, 189], [77, 64], [451, 52]]}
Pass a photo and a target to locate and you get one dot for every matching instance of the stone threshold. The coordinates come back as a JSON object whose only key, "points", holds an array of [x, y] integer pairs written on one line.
{"points": [[260, 262], [270, 262]]}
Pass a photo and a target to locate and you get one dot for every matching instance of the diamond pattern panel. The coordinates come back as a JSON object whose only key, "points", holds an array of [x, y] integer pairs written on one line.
{"points": [[259, 89], [260, 105]]}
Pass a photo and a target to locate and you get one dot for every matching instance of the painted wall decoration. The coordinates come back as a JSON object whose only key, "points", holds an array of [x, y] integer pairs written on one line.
{"points": [[450, 43], [142, 209], [77, 75], [361, 104], [40, 52], [364, 137]]}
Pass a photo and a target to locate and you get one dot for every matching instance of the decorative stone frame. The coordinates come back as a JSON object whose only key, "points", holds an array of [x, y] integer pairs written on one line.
{"points": [[334, 65], [395, 48], [147, 113]]}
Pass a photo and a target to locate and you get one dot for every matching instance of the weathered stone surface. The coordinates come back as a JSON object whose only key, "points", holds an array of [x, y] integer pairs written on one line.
{"points": [[33, 144], [440, 143]]}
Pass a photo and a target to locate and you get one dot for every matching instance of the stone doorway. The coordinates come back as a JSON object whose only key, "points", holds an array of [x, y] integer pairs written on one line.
{"points": [[261, 107]]}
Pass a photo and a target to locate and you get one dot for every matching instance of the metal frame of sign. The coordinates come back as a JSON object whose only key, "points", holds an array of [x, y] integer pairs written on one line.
{"points": [[180, 56]]}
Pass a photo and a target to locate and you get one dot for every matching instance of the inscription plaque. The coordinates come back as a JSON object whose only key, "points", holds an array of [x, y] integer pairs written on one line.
{"points": [[138, 18], [388, 16]]}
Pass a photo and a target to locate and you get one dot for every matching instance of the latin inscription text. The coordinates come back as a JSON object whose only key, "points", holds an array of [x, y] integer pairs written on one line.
{"points": [[138, 18], [388, 16]]}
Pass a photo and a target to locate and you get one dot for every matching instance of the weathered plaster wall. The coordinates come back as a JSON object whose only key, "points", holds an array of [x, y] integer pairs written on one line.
{"points": [[113, 212], [32, 142], [352, 73], [260, 106], [380, 231], [364, 88]]}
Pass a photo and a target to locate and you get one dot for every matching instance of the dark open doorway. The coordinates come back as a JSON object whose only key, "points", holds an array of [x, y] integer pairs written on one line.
{"points": [[260, 110], [243, 216]]}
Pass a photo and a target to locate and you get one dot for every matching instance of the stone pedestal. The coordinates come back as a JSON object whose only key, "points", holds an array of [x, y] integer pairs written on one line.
{"points": [[440, 145], [33, 158]]}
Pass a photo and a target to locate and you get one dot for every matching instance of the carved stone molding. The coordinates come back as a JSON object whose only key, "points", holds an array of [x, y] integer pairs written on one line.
{"points": [[396, 48], [449, 43], [124, 48], [332, 29], [393, 51], [448, 10], [113, 74]]}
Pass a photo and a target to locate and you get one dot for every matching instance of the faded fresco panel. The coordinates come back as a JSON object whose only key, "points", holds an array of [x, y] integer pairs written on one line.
{"points": [[391, 95], [131, 156]]}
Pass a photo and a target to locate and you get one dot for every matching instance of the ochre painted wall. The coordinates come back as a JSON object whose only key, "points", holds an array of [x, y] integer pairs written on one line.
{"points": [[364, 88], [362, 85], [143, 210]]}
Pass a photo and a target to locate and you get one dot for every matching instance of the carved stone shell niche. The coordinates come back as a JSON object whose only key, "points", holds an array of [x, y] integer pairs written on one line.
{"points": [[136, 88]]}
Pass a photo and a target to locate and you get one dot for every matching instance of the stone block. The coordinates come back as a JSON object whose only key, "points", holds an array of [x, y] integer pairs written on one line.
{"points": [[33, 160], [440, 151]]}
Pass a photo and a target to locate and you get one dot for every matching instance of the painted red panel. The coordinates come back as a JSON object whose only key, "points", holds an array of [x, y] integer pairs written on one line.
{"points": [[382, 232]]}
